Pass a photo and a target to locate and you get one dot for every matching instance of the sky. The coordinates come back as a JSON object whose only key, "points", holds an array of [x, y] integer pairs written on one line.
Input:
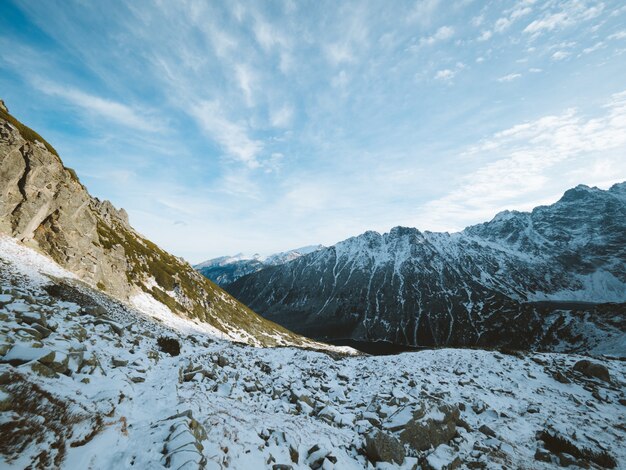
{"points": [[261, 126]]}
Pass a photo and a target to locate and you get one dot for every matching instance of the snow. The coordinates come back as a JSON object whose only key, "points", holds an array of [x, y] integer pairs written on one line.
{"points": [[29, 262], [136, 389]]}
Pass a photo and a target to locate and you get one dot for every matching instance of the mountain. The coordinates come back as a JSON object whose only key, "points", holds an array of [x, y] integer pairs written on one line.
{"points": [[227, 269], [552, 279], [87, 381], [45, 206]]}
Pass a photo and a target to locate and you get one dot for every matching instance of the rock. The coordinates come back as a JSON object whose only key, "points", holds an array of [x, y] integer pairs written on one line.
{"points": [[560, 377], [281, 466], [138, 379], [383, 447], [487, 431], [565, 460], [43, 370], [543, 455], [170, 346], [443, 458], [592, 369], [533, 409], [222, 361], [31, 318], [424, 433], [114, 326], [119, 362]]}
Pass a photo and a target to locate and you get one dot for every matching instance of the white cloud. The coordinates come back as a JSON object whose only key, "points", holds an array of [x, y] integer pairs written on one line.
{"points": [[339, 52], [573, 12], [526, 159], [510, 77], [618, 35], [442, 34], [245, 79], [547, 23], [423, 11], [535, 70], [595, 47], [94, 105], [231, 136], [485, 36], [282, 116], [445, 75], [560, 55]]}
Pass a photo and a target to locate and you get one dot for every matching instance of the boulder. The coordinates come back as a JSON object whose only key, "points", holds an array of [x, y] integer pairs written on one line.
{"points": [[593, 370], [432, 429], [383, 447]]}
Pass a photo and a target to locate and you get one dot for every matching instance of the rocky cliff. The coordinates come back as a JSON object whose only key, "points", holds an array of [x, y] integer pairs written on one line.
{"points": [[44, 205]]}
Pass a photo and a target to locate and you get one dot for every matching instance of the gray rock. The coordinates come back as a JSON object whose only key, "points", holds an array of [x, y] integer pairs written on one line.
{"points": [[592, 369], [422, 434], [487, 431], [383, 447]]}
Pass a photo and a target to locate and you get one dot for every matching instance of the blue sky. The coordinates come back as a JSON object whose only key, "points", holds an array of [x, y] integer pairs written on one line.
{"points": [[263, 126]]}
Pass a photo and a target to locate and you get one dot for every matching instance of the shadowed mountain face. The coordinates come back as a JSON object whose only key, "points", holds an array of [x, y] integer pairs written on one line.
{"points": [[499, 283]]}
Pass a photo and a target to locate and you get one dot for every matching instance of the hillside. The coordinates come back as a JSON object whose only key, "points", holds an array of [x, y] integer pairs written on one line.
{"points": [[44, 205]]}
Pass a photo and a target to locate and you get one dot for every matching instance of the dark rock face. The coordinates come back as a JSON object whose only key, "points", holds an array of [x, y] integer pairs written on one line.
{"points": [[521, 280]]}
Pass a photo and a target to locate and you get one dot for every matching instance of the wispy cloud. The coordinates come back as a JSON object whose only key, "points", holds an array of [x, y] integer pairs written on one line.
{"points": [[442, 34], [110, 110], [510, 77], [232, 136]]}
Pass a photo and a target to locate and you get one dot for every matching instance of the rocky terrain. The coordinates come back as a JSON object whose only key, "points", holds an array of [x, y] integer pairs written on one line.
{"points": [[552, 279], [44, 205], [227, 269], [89, 382]]}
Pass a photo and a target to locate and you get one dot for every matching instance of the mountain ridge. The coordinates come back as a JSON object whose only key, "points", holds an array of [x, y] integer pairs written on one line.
{"points": [[430, 288]]}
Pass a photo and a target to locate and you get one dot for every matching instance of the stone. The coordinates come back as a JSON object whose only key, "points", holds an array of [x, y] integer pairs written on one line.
{"points": [[593, 370], [566, 460], [383, 447], [422, 434], [43, 370], [487, 431], [543, 455], [222, 361], [119, 362]]}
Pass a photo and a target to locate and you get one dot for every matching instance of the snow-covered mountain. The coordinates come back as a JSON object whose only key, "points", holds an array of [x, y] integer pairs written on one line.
{"points": [[88, 382], [510, 281], [227, 269]]}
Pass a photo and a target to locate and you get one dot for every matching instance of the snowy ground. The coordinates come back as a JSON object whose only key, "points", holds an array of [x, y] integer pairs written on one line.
{"points": [[84, 384]]}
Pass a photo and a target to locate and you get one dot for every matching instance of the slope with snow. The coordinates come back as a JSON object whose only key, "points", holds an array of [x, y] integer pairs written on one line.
{"points": [[84, 383]]}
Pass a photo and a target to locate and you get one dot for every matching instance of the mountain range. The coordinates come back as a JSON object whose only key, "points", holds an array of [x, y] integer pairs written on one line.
{"points": [[227, 269], [551, 278]]}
